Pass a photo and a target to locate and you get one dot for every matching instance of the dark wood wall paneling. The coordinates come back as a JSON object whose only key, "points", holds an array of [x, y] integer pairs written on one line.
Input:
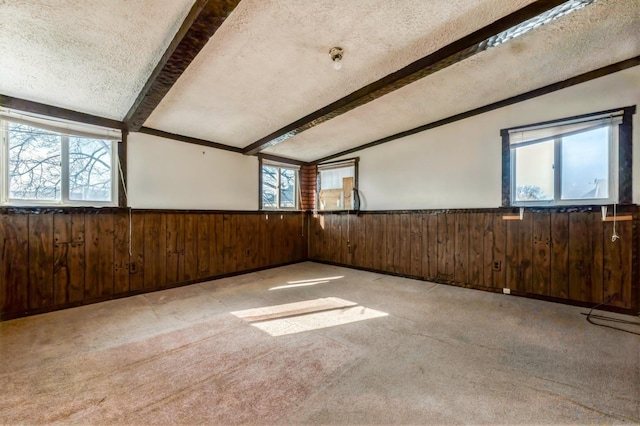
{"points": [[559, 255], [61, 259]]}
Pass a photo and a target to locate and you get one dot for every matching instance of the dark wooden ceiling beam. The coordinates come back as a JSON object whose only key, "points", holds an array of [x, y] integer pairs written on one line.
{"points": [[582, 78], [453, 53], [216, 145], [57, 112], [285, 160], [203, 20], [189, 139]]}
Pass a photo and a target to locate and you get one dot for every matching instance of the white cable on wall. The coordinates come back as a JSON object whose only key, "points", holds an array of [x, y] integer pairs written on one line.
{"points": [[614, 236], [126, 197], [300, 199]]}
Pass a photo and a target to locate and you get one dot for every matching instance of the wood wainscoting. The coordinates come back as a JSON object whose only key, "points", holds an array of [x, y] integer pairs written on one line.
{"points": [[559, 255], [58, 258], [68, 257]]}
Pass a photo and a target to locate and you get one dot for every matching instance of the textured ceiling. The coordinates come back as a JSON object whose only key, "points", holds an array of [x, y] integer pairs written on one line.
{"points": [[269, 64], [598, 35], [91, 56]]}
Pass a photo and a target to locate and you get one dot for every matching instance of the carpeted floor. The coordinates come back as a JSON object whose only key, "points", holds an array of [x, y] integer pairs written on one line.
{"points": [[311, 343]]}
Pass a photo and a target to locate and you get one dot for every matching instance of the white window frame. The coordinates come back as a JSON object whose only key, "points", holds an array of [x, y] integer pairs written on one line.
{"points": [[280, 166], [612, 121], [64, 200]]}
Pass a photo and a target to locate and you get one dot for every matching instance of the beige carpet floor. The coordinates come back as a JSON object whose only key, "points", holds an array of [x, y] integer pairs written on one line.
{"points": [[311, 343]]}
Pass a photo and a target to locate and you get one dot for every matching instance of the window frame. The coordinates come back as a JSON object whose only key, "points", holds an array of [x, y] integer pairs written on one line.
{"points": [[620, 163], [348, 162], [279, 166], [64, 201]]}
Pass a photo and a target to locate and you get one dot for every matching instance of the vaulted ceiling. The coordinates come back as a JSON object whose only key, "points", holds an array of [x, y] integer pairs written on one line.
{"points": [[256, 76]]}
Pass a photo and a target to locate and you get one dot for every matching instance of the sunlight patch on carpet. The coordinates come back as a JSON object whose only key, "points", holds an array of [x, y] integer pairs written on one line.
{"points": [[306, 283], [291, 318]]}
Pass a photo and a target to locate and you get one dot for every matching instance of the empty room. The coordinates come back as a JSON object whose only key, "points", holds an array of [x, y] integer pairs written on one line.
{"points": [[319, 212]]}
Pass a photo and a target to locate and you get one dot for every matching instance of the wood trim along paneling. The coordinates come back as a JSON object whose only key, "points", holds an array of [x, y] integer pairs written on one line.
{"points": [[57, 112], [582, 78], [203, 20], [629, 208], [113, 210], [622, 209], [461, 49]]}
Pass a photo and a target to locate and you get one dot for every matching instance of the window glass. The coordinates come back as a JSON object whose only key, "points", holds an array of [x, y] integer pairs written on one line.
{"points": [[89, 169], [332, 178], [279, 187], [42, 166], [565, 162], [336, 184], [585, 165], [34, 163], [269, 187], [287, 188], [534, 172]]}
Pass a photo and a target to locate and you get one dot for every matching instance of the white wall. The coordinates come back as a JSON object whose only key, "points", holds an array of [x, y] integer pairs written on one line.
{"points": [[459, 165], [168, 174]]}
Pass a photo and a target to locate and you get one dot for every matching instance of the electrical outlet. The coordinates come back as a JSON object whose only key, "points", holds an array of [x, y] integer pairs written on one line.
{"points": [[133, 268], [497, 266], [506, 290]]}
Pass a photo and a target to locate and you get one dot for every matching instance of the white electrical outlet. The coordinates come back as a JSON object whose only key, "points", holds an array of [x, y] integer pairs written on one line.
{"points": [[506, 290]]}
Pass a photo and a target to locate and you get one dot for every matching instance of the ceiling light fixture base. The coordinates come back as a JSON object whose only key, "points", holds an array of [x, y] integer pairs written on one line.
{"points": [[336, 54]]}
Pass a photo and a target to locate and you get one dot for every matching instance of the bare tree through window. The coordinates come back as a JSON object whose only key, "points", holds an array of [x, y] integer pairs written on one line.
{"points": [[287, 188], [269, 187], [278, 187], [37, 166], [89, 169], [34, 163]]}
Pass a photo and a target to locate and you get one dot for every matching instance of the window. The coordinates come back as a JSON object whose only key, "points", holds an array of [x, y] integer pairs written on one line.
{"points": [[43, 164], [279, 186], [336, 184], [578, 160]]}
